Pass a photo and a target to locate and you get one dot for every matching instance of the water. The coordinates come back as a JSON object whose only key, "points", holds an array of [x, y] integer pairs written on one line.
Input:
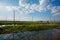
{"points": [[53, 34]]}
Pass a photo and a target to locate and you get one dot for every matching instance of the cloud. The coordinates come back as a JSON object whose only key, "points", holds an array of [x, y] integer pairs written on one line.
{"points": [[40, 19], [27, 8], [1, 4], [42, 2], [2, 18], [6, 18], [55, 10], [11, 8]]}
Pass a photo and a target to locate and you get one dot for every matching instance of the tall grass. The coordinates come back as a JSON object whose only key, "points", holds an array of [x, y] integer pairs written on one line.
{"points": [[28, 26]]}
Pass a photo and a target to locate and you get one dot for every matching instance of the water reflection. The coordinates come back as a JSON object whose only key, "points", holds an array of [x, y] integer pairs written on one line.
{"points": [[53, 34]]}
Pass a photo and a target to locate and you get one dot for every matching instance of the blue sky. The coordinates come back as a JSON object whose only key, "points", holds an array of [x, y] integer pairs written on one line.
{"points": [[40, 10], [10, 2]]}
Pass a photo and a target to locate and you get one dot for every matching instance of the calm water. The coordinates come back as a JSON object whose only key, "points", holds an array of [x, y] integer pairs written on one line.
{"points": [[53, 34]]}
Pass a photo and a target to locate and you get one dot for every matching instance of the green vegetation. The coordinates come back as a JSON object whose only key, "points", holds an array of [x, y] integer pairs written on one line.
{"points": [[27, 26]]}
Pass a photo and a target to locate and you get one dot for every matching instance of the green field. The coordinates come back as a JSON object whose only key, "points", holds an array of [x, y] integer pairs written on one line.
{"points": [[27, 26]]}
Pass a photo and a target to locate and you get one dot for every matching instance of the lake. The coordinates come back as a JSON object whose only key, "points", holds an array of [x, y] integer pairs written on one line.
{"points": [[53, 34]]}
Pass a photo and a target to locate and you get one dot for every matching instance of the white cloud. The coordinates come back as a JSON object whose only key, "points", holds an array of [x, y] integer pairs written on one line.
{"points": [[8, 8], [11, 8], [9, 18], [23, 18], [55, 10], [41, 2], [27, 8], [2, 18], [1, 4]]}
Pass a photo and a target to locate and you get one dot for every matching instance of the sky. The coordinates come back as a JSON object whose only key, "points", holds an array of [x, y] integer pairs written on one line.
{"points": [[30, 10]]}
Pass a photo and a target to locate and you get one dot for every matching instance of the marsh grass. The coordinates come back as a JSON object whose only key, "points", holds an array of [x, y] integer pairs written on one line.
{"points": [[27, 26]]}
